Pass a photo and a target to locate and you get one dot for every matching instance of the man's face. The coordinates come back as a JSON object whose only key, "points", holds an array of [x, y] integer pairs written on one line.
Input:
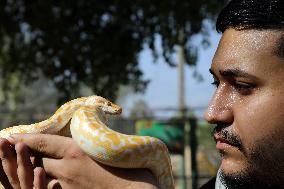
{"points": [[248, 108]]}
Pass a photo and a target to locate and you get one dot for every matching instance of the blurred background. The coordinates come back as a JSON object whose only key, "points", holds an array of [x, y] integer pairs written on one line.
{"points": [[150, 57]]}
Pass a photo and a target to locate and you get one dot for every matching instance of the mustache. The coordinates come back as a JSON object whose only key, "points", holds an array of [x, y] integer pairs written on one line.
{"points": [[227, 135]]}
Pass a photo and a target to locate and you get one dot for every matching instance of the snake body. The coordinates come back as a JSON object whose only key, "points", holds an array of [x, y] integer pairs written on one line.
{"points": [[87, 117]]}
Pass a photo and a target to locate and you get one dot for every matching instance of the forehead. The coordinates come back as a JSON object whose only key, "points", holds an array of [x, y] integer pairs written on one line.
{"points": [[252, 51]]}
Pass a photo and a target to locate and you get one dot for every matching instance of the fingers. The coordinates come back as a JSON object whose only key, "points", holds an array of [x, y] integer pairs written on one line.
{"points": [[25, 167], [53, 167], [3, 179], [51, 146], [54, 184], [9, 164], [18, 169], [43, 143], [40, 181]]}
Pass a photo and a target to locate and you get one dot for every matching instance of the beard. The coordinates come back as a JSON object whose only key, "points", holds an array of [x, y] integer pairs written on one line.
{"points": [[264, 162]]}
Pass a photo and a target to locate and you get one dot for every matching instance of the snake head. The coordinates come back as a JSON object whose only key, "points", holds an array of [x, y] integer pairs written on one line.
{"points": [[106, 106]]}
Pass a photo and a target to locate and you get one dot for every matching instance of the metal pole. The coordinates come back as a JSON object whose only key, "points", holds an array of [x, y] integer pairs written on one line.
{"points": [[181, 61], [181, 89], [193, 147], [187, 155]]}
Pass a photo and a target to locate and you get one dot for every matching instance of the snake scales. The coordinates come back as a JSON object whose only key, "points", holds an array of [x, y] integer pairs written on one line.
{"points": [[90, 132]]}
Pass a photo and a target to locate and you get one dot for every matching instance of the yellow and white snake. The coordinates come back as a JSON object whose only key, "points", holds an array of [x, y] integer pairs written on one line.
{"points": [[90, 132]]}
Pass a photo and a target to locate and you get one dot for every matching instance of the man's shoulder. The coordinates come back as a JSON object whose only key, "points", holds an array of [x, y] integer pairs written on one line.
{"points": [[209, 185]]}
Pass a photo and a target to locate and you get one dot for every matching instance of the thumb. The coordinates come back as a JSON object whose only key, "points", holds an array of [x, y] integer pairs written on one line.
{"points": [[49, 145]]}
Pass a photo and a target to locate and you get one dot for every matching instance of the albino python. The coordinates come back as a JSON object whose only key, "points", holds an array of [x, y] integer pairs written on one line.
{"points": [[89, 131]]}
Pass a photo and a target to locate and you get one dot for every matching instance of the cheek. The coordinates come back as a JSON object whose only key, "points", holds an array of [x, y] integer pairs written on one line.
{"points": [[259, 116]]}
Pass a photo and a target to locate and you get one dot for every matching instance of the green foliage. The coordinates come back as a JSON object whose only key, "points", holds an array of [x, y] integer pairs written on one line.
{"points": [[204, 135], [92, 42]]}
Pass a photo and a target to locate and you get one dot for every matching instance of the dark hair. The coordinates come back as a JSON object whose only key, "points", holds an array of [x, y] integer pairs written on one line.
{"points": [[253, 14]]}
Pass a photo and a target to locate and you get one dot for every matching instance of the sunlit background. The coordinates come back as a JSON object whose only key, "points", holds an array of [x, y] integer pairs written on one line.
{"points": [[163, 89], [131, 53]]}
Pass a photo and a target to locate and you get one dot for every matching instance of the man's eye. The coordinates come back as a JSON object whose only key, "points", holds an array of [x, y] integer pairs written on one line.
{"points": [[243, 88]]}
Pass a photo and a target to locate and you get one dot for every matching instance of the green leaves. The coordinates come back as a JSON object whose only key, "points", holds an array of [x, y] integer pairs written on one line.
{"points": [[94, 42]]}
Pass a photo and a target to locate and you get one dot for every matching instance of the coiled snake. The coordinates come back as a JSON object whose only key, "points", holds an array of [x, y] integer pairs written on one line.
{"points": [[90, 132]]}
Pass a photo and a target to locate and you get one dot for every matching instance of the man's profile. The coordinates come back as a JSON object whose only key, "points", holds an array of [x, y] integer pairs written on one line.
{"points": [[247, 107]]}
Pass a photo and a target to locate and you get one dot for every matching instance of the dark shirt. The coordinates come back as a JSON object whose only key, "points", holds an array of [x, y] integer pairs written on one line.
{"points": [[210, 184]]}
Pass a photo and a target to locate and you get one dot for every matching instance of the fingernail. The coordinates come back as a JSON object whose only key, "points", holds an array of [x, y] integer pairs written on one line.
{"points": [[21, 149]]}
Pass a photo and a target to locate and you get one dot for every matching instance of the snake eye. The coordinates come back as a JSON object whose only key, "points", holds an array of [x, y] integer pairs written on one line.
{"points": [[109, 103]]}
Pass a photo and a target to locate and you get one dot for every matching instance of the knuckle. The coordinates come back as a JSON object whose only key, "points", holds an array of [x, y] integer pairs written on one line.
{"points": [[6, 151], [3, 148], [75, 153], [21, 148], [3, 143], [41, 145]]}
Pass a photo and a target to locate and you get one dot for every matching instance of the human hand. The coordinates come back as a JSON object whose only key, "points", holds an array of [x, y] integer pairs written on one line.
{"points": [[67, 166], [16, 170]]}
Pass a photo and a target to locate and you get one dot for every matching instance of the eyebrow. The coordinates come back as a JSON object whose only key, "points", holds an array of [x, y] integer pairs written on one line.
{"points": [[234, 73]]}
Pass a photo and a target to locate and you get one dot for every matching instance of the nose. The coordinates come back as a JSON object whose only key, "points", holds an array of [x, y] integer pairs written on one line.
{"points": [[220, 109]]}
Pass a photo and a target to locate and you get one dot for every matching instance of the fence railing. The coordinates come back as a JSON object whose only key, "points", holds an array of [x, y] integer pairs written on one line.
{"points": [[202, 160]]}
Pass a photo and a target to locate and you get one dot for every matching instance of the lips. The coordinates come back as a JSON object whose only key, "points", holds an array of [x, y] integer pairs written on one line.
{"points": [[226, 138], [222, 143]]}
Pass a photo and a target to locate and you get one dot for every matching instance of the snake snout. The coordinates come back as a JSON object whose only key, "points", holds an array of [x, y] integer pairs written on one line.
{"points": [[116, 109], [119, 110], [112, 110]]}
